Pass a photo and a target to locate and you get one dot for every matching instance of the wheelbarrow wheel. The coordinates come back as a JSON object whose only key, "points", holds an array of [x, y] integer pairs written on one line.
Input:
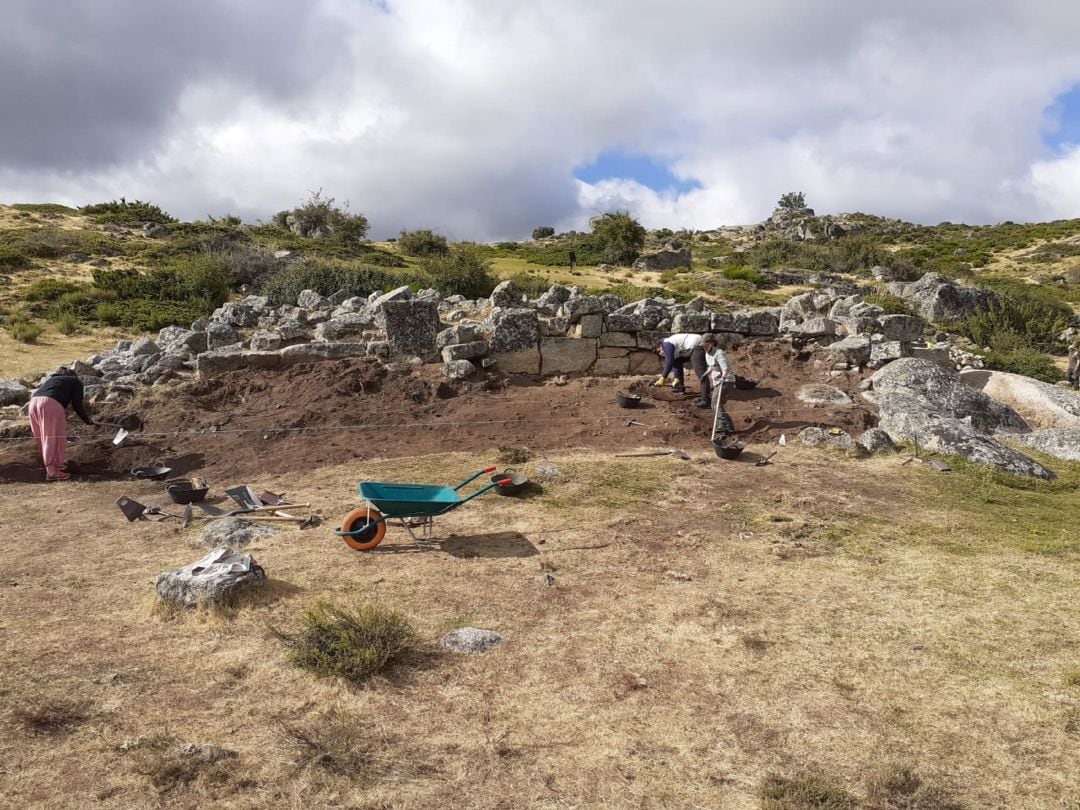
{"points": [[368, 524]]}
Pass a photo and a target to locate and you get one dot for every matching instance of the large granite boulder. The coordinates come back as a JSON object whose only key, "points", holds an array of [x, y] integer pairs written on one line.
{"points": [[854, 350], [1041, 404], [939, 299], [906, 328], [213, 363], [13, 392], [508, 295], [907, 419], [575, 308], [566, 355], [514, 330], [315, 352], [215, 579], [1061, 443], [756, 323], [349, 324], [943, 392], [411, 326]]}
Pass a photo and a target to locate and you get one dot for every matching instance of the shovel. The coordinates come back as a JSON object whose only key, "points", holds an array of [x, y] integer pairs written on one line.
{"points": [[673, 452]]}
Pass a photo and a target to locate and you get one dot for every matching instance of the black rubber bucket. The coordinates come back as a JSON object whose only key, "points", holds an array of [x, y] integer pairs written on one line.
{"points": [[185, 492], [728, 449], [510, 482], [628, 400]]}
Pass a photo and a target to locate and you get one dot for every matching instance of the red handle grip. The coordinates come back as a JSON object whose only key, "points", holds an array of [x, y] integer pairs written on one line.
{"points": [[490, 469]]}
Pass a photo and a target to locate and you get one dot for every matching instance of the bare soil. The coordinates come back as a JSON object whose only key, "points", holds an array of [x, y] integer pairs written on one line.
{"points": [[240, 424]]}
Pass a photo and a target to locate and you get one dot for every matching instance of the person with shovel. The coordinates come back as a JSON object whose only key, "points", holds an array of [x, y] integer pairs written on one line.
{"points": [[48, 414], [719, 374], [676, 350]]}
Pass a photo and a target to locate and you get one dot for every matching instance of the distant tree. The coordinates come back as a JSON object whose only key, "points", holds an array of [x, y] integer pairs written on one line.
{"points": [[423, 242], [619, 236], [543, 232], [792, 201], [318, 217]]}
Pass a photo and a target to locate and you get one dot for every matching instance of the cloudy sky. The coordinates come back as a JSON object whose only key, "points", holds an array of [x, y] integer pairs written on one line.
{"points": [[485, 118]]}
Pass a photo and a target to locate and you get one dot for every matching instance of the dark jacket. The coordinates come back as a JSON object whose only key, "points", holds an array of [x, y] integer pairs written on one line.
{"points": [[67, 391]]}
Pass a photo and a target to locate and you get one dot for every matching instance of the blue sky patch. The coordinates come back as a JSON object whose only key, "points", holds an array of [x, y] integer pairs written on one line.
{"points": [[1064, 115], [615, 165]]}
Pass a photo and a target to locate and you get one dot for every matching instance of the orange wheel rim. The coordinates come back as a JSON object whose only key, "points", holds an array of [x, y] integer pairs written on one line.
{"points": [[356, 519]]}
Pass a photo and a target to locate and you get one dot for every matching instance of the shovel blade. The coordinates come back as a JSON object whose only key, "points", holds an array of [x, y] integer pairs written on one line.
{"points": [[131, 508]]}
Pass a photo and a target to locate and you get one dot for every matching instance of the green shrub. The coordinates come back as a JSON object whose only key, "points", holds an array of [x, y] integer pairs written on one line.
{"points": [[24, 331], [126, 212], [745, 274], [68, 324], [12, 259], [891, 304], [619, 236], [43, 208], [531, 283], [326, 279], [423, 242], [1034, 313], [49, 289], [352, 644], [543, 232], [792, 201], [462, 272], [557, 254], [1025, 361], [319, 216]]}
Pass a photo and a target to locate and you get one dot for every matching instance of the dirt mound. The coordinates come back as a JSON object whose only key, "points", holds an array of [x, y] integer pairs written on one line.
{"points": [[248, 423]]}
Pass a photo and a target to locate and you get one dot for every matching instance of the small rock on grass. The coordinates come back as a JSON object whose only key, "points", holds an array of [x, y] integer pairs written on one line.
{"points": [[234, 532], [470, 640]]}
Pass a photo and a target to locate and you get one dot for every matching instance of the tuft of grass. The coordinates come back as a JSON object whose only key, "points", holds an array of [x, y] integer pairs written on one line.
{"points": [[898, 787], [1072, 677], [349, 643], [22, 329], [805, 791], [336, 743], [68, 324], [514, 455], [49, 717]]}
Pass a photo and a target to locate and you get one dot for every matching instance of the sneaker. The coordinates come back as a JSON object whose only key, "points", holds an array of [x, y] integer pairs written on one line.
{"points": [[58, 476]]}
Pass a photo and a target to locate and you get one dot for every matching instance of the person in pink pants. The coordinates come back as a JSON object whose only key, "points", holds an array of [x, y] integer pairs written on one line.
{"points": [[48, 419]]}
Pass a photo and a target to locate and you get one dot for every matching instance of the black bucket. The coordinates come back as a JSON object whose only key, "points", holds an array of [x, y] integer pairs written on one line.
{"points": [[155, 473], [509, 481], [185, 492], [728, 449], [628, 400]]}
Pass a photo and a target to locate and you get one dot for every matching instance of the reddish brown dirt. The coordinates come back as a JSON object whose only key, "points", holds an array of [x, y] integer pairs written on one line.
{"points": [[246, 423]]}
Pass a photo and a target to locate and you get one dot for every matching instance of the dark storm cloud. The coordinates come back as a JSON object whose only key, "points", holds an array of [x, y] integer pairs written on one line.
{"points": [[93, 83]]}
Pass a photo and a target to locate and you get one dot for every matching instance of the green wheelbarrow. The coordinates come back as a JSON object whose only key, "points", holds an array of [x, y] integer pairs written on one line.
{"points": [[411, 506]]}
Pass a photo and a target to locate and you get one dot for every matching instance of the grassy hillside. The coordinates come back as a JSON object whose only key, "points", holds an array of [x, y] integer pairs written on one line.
{"points": [[128, 267]]}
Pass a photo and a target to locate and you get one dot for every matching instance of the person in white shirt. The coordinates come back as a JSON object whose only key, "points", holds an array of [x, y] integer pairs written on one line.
{"points": [[676, 350]]}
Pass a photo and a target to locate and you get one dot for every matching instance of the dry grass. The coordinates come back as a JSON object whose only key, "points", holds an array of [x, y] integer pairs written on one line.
{"points": [[619, 683], [51, 349]]}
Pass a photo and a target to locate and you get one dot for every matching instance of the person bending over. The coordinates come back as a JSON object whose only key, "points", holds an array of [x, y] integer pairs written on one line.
{"points": [[676, 350], [48, 414]]}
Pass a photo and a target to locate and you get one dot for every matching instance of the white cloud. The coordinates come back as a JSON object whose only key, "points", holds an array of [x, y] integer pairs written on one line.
{"points": [[470, 116]]}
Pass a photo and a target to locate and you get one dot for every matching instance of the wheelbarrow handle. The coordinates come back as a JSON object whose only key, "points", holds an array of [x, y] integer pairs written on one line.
{"points": [[472, 478]]}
